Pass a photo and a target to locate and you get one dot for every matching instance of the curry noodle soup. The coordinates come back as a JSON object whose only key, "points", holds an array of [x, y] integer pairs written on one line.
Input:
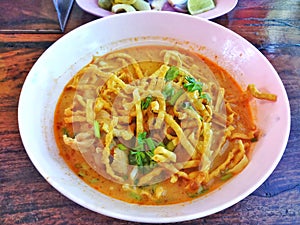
{"points": [[155, 125]]}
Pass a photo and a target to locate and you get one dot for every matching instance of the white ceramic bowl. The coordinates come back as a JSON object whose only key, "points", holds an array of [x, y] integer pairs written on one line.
{"points": [[66, 56]]}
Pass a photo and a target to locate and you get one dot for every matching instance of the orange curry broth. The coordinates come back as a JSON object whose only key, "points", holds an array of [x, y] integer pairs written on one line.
{"points": [[176, 192]]}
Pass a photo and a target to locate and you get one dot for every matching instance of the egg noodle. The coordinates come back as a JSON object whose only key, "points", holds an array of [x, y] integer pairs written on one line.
{"points": [[160, 117]]}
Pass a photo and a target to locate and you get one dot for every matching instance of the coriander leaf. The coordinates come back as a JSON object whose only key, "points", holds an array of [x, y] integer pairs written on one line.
{"points": [[146, 102], [172, 73], [150, 154], [136, 158], [141, 137], [193, 85], [139, 147], [150, 143], [132, 158], [140, 156]]}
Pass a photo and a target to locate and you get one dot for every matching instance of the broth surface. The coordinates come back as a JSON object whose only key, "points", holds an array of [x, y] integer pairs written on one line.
{"points": [[235, 137]]}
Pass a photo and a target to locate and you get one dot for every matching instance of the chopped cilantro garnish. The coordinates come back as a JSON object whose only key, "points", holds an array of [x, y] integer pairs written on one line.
{"points": [[146, 102], [137, 158], [150, 143], [141, 137], [193, 85], [141, 155]]}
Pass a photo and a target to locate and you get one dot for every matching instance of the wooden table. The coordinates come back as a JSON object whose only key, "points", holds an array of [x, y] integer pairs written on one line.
{"points": [[28, 28]]}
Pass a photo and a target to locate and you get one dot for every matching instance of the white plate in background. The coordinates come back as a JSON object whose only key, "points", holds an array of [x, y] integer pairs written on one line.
{"points": [[222, 7]]}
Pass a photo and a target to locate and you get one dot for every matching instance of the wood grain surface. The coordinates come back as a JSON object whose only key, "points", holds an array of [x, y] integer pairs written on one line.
{"points": [[28, 28]]}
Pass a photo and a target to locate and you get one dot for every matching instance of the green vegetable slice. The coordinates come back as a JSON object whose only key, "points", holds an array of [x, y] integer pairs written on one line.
{"points": [[135, 196], [96, 129], [176, 96], [226, 176], [168, 90], [172, 73], [122, 147], [201, 190]]}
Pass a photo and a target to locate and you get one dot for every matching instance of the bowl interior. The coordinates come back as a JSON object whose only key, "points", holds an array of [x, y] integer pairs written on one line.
{"points": [[64, 58]]}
